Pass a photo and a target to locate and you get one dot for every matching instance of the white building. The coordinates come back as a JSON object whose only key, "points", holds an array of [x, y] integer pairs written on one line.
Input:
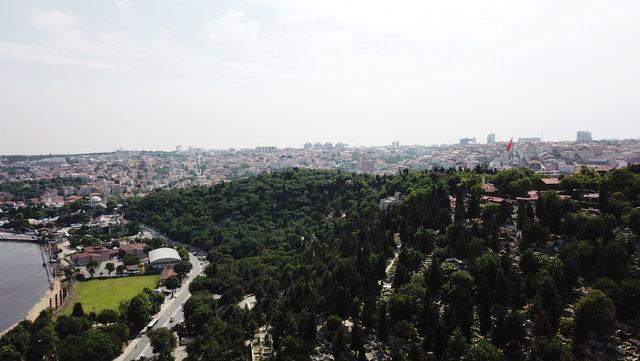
{"points": [[96, 201], [161, 257]]}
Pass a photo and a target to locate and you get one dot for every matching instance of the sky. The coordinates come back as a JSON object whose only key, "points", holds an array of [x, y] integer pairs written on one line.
{"points": [[89, 76]]}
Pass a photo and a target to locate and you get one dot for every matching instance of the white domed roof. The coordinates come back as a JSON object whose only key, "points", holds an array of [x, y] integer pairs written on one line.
{"points": [[164, 254]]}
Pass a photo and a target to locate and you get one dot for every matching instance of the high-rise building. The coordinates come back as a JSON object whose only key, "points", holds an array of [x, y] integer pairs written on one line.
{"points": [[583, 136], [266, 149], [491, 138], [467, 141]]}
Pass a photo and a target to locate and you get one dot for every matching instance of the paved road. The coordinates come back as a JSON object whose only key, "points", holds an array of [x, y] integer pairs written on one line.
{"points": [[172, 307]]}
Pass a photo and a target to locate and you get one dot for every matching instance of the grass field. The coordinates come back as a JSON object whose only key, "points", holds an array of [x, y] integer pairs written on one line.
{"points": [[102, 294]]}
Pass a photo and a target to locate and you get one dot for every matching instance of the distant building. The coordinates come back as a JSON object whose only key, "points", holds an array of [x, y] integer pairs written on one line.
{"points": [[367, 165], [529, 140], [583, 136], [395, 143], [266, 149], [93, 253], [549, 183], [491, 138], [50, 162], [161, 257], [95, 201], [67, 191], [467, 141]]}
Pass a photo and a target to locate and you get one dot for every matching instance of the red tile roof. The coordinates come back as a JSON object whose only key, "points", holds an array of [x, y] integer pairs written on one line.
{"points": [[489, 188], [167, 273], [551, 181]]}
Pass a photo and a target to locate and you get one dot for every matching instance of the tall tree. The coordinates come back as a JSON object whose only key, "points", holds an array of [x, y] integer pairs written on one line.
{"points": [[596, 313], [163, 343]]}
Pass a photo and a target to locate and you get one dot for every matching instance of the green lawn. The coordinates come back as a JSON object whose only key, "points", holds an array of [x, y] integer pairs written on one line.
{"points": [[102, 294]]}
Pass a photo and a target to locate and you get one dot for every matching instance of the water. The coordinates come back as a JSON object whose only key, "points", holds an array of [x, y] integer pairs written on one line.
{"points": [[23, 281]]}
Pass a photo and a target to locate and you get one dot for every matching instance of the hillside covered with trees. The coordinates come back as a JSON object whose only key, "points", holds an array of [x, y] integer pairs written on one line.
{"points": [[510, 281]]}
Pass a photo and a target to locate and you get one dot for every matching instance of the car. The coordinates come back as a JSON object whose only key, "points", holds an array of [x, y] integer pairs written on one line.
{"points": [[172, 319]]}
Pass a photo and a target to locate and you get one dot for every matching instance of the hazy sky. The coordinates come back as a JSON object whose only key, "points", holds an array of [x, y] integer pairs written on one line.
{"points": [[79, 76]]}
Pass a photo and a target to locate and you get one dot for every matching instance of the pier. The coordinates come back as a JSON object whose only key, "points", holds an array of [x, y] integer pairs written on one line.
{"points": [[17, 237]]}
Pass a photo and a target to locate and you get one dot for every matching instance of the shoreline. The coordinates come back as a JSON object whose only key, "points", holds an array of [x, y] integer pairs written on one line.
{"points": [[51, 293], [41, 305]]}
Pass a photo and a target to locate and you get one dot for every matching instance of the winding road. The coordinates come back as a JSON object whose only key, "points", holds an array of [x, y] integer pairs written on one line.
{"points": [[172, 307]]}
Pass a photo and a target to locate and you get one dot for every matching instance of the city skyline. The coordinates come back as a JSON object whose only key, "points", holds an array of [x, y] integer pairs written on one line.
{"points": [[464, 141], [80, 77]]}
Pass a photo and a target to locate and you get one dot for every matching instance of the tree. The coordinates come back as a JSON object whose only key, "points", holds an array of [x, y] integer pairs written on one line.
{"points": [[459, 213], [613, 260], [163, 342], [78, 311], [603, 199], [356, 339], [18, 337], [43, 342], [9, 353], [633, 220], [130, 259], [339, 347], [529, 263], [474, 204], [172, 283], [120, 269], [458, 345], [460, 297], [110, 267], [181, 330], [596, 313], [629, 299], [484, 351], [95, 344], [514, 330], [139, 312], [107, 316], [382, 321], [610, 288], [182, 268], [400, 307], [71, 326], [91, 267], [307, 327], [549, 349], [534, 233], [549, 301], [439, 338], [433, 278]]}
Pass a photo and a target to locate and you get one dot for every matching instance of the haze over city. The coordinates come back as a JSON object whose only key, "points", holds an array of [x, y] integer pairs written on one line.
{"points": [[85, 77], [293, 180]]}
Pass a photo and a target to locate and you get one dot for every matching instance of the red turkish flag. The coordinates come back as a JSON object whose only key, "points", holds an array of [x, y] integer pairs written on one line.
{"points": [[510, 145]]}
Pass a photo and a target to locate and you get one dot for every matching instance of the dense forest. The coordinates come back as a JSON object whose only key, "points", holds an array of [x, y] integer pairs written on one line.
{"points": [[440, 273], [514, 281]]}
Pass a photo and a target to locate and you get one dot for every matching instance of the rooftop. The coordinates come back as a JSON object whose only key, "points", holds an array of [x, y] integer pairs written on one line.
{"points": [[163, 253]]}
